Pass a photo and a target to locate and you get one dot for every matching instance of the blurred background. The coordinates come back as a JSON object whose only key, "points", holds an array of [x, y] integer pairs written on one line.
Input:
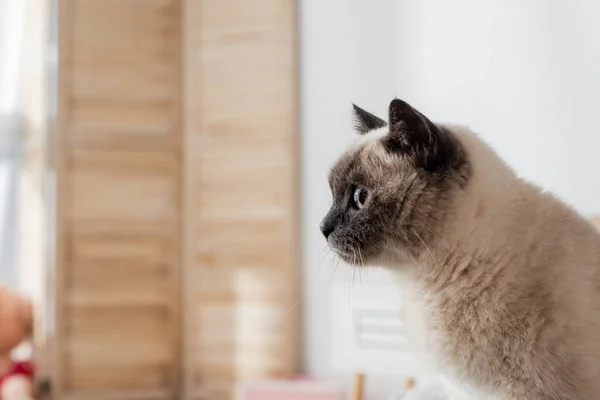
{"points": [[163, 171]]}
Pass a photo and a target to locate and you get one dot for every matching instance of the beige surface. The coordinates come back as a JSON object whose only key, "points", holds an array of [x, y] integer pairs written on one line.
{"points": [[240, 144], [119, 199], [177, 197]]}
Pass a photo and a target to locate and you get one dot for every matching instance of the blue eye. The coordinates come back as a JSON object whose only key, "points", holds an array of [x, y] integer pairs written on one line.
{"points": [[360, 197]]}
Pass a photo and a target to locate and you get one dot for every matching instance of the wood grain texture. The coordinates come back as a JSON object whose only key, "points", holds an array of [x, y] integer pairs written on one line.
{"points": [[119, 200], [177, 272], [240, 193]]}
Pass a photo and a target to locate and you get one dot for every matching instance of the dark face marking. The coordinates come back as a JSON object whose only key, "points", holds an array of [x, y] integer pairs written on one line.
{"points": [[405, 183], [353, 220]]}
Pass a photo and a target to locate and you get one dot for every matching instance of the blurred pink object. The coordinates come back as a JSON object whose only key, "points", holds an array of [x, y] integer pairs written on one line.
{"points": [[297, 389]]}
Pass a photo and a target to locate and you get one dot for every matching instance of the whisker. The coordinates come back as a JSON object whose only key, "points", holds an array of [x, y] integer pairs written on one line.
{"points": [[361, 264], [338, 260], [428, 250], [354, 267]]}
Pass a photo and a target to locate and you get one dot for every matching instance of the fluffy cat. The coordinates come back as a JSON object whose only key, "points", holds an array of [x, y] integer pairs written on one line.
{"points": [[504, 277]]}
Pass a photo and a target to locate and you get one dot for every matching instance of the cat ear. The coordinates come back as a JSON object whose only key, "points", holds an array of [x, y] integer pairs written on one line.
{"points": [[412, 133], [365, 122]]}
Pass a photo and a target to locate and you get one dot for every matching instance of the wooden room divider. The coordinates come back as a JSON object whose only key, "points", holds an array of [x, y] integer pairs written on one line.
{"points": [[176, 266]]}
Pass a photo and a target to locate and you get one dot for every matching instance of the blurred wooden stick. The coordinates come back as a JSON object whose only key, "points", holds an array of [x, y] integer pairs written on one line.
{"points": [[357, 393]]}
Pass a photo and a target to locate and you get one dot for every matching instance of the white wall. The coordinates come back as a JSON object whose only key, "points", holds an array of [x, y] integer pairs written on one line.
{"points": [[524, 74], [12, 19]]}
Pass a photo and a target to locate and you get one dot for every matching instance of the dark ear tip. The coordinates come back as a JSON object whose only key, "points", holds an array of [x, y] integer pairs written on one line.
{"points": [[397, 104], [364, 121]]}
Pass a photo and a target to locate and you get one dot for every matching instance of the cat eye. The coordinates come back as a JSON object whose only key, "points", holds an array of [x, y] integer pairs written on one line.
{"points": [[360, 197]]}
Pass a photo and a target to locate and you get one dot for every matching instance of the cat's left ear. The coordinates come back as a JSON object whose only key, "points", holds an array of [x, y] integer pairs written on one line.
{"points": [[365, 122], [430, 146]]}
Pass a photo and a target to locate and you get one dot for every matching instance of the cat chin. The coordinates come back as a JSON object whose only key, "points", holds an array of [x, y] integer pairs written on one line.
{"points": [[351, 258], [348, 258]]}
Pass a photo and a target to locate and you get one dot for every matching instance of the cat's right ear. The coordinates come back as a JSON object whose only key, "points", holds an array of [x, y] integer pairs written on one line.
{"points": [[365, 122]]}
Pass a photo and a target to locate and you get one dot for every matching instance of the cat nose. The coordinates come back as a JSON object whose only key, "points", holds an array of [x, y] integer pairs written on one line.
{"points": [[326, 229]]}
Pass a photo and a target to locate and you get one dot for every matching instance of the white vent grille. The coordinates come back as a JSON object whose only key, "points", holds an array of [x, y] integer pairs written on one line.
{"points": [[368, 330], [379, 328]]}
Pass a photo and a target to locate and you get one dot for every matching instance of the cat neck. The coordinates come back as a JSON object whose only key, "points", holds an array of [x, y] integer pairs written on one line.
{"points": [[479, 235]]}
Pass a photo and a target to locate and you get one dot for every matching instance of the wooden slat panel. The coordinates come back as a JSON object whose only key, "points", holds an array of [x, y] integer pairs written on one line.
{"points": [[123, 186], [118, 338], [119, 200], [119, 195], [240, 163], [120, 270], [250, 283], [119, 394], [234, 244], [132, 337], [125, 68]]}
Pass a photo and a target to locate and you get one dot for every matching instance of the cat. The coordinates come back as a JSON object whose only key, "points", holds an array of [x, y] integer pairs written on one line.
{"points": [[503, 277]]}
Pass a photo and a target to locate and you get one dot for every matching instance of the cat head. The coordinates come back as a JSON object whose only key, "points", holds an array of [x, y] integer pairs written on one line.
{"points": [[393, 189]]}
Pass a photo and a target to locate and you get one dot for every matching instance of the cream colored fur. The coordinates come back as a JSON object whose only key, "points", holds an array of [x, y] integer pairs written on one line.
{"points": [[508, 247], [502, 279]]}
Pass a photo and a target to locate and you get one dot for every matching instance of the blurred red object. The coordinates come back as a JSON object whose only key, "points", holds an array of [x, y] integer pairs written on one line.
{"points": [[18, 368], [16, 321]]}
